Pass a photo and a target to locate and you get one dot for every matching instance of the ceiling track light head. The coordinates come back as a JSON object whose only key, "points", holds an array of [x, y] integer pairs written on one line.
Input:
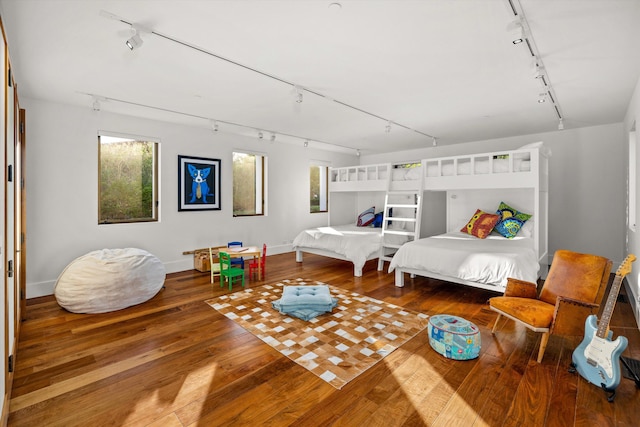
{"points": [[306, 143], [435, 141], [273, 137], [560, 124], [517, 30], [387, 128], [135, 41], [260, 135], [358, 153], [298, 94], [214, 126]]}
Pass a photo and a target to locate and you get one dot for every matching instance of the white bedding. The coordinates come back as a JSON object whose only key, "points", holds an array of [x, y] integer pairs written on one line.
{"points": [[460, 255], [352, 242]]}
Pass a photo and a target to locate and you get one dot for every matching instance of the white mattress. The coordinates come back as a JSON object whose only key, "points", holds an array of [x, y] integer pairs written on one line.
{"points": [[352, 242], [460, 255]]}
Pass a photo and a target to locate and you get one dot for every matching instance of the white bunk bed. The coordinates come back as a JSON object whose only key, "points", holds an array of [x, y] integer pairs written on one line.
{"points": [[519, 178], [348, 242]]}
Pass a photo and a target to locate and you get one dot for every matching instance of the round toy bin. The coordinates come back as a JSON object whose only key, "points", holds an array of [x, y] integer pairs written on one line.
{"points": [[454, 337]]}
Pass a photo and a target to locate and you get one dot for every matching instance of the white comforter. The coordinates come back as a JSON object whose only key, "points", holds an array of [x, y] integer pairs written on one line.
{"points": [[455, 254], [354, 243]]}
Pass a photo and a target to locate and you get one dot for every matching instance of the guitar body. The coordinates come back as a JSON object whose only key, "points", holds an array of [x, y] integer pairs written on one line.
{"points": [[598, 359]]}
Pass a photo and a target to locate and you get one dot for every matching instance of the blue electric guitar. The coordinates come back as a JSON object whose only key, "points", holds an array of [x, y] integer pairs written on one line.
{"points": [[597, 358]]}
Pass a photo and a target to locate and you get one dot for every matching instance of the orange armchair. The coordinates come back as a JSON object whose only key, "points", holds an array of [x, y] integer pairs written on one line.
{"points": [[572, 291]]}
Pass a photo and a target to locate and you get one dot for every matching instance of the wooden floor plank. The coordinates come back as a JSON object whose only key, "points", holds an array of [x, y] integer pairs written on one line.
{"points": [[175, 361]]}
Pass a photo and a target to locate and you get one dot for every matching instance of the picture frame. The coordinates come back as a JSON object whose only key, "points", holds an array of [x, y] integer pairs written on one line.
{"points": [[198, 183]]}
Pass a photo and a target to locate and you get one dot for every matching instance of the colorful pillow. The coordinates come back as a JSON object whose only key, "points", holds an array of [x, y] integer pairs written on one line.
{"points": [[377, 221], [511, 220], [480, 224], [366, 217]]}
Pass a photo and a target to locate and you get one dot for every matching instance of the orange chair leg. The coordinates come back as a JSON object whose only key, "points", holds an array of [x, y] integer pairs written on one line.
{"points": [[543, 345], [495, 325]]}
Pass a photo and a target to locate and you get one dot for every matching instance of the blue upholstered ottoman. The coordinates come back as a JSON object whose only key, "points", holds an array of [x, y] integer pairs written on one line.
{"points": [[305, 302], [454, 337]]}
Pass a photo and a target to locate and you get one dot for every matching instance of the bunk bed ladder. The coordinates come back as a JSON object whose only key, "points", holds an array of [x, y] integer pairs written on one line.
{"points": [[403, 209]]}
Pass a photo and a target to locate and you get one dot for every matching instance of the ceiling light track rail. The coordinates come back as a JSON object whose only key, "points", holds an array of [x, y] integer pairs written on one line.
{"points": [[540, 70], [214, 123], [295, 86]]}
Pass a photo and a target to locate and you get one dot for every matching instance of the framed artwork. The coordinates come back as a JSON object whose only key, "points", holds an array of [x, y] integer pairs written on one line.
{"points": [[198, 184]]}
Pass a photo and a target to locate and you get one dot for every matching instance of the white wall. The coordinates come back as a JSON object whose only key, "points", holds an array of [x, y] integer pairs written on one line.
{"points": [[633, 239], [586, 190], [62, 182]]}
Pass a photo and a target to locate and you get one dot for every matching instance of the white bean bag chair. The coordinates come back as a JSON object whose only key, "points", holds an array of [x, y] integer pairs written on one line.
{"points": [[109, 280]]}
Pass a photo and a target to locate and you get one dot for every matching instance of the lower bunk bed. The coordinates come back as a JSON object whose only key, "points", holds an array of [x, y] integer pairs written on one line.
{"points": [[347, 242], [464, 259]]}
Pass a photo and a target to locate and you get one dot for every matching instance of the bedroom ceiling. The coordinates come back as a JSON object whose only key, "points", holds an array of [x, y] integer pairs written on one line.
{"points": [[443, 68]]}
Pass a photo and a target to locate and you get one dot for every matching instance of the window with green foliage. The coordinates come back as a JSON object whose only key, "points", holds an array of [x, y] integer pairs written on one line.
{"points": [[319, 181], [127, 184], [248, 184]]}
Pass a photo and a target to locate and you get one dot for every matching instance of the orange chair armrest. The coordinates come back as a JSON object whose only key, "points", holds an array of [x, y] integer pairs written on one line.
{"points": [[570, 315], [520, 288]]}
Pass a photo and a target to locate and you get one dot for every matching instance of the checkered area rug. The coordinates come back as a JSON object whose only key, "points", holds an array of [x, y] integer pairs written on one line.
{"points": [[336, 346]]}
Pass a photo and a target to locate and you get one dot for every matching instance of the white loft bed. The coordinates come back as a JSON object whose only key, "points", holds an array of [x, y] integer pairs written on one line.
{"points": [[520, 178], [346, 241]]}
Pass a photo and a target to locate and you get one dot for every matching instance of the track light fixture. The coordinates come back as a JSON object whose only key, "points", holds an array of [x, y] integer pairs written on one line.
{"points": [[135, 41], [387, 128], [273, 137], [96, 104], [517, 30], [214, 126], [543, 97], [560, 124], [297, 93], [260, 135], [435, 142], [306, 143], [358, 153]]}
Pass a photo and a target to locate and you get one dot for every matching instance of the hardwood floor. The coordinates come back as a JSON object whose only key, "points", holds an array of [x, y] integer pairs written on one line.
{"points": [[175, 361]]}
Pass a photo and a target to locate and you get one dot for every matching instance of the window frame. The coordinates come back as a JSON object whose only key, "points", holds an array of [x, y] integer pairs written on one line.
{"points": [[155, 217], [260, 183], [324, 187]]}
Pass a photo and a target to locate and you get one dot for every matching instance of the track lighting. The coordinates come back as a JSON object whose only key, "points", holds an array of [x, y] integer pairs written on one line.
{"points": [[273, 137], [516, 28], [297, 94], [560, 124], [306, 143], [96, 104], [214, 126], [260, 135], [387, 128], [358, 153], [135, 41], [543, 97], [435, 142]]}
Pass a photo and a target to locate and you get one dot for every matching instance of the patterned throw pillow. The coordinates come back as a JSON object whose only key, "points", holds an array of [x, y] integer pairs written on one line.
{"points": [[511, 220], [366, 217], [480, 224]]}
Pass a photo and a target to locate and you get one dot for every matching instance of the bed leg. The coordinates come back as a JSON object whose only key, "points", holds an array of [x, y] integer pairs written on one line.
{"points": [[399, 278], [298, 256], [357, 272]]}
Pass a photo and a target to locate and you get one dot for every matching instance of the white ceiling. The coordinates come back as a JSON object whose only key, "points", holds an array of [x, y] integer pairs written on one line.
{"points": [[445, 68]]}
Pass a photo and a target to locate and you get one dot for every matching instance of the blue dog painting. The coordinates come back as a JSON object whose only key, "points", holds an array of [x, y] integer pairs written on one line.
{"points": [[199, 185]]}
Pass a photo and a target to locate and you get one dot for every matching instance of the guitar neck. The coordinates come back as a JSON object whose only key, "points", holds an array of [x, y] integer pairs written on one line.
{"points": [[603, 324]]}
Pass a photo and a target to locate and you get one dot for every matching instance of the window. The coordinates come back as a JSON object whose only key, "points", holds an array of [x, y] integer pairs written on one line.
{"points": [[248, 184], [319, 181], [127, 180]]}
